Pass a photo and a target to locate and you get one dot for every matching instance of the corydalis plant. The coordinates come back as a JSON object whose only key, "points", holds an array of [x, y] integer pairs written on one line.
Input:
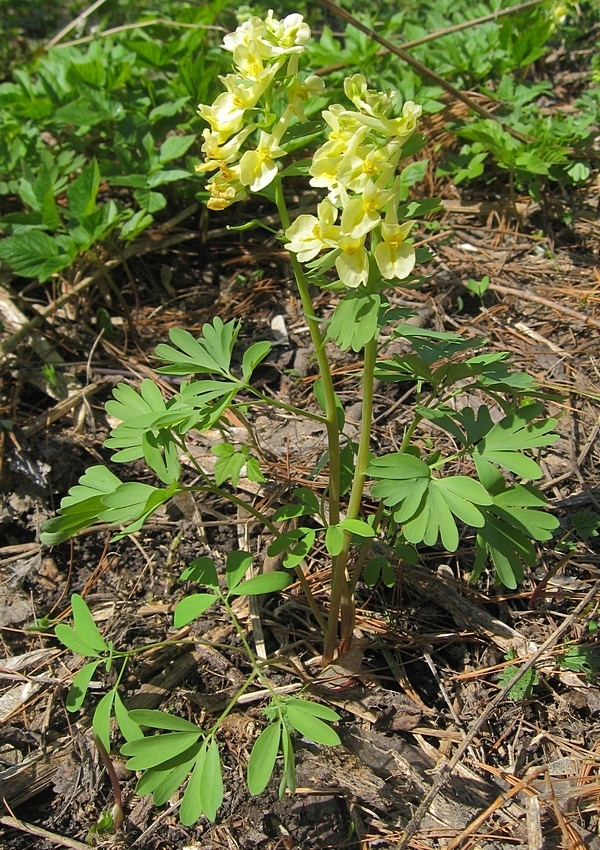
{"points": [[360, 227], [421, 494]]}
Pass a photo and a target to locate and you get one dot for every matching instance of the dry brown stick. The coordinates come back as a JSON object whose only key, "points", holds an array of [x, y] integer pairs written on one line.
{"points": [[446, 770], [552, 305], [31, 829], [500, 801]]}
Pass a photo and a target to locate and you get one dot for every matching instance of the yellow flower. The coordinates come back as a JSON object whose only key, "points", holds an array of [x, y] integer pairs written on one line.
{"points": [[225, 116], [368, 101], [353, 262], [362, 213], [309, 234], [225, 188], [300, 91], [394, 257], [289, 35], [217, 154], [258, 167], [404, 126]]}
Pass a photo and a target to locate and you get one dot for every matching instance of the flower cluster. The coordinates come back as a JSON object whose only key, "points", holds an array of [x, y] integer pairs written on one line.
{"points": [[357, 165], [265, 60]]}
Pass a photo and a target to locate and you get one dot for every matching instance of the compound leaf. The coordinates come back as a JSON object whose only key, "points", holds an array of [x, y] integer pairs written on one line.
{"points": [[210, 353]]}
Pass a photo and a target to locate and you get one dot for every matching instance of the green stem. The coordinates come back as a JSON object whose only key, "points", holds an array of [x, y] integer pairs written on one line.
{"points": [[331, 417], [342, 598]]}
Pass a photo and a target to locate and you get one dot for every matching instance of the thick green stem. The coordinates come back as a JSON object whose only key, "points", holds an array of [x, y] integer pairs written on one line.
{"points": [[342, 597]]}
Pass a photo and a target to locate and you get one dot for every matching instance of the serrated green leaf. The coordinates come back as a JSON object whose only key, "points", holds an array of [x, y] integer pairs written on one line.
{"points": [[35, 254], [135, 225], [82, 192], [101, 719], [262, 758], [79, 685], [191, 607], [164, 176], [154, 719], [174, 147], [85, 626], [263, 583], [156, 749]]}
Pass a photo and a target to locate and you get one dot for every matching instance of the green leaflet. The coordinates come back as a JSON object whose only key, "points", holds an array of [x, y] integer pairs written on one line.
{"points": [[263, 583], [210, 353], [427, 506], [129, 728], [154, 719], [101, 718], [191, 607], [204, 792], [238, 564], [262, 758], [306, 718], [504, 444], [156, 749], [355, 320], [85, 626], [78, 690], [84, 638]]}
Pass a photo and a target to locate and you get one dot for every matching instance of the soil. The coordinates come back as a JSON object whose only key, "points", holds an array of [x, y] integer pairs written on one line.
{"points": [[429, 651]]}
